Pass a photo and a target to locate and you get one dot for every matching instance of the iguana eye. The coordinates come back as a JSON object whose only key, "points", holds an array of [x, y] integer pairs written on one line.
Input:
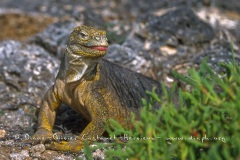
{"points": [[83, 35], [98, 38]]}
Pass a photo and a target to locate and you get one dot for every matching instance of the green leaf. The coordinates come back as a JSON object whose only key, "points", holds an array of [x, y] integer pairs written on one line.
{"points": [[187, 80], [87, 151]]}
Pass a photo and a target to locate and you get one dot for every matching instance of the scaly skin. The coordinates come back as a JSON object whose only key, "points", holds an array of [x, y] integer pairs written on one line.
{"points": [[94, 87]]}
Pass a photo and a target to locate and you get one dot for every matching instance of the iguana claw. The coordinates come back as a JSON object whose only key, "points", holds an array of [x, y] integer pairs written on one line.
{"points": [[64, 146]]}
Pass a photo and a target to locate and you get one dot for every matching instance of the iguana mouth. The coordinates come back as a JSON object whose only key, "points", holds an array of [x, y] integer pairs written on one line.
{"points": [[100, 48]]}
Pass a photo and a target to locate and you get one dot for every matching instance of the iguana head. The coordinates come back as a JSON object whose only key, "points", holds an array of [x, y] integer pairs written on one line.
{"points": [[88, 42]]}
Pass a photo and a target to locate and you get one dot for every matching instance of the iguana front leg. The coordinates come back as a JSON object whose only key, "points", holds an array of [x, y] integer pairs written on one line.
{"points": [[93, 130], [47, 115], [99, 113]]}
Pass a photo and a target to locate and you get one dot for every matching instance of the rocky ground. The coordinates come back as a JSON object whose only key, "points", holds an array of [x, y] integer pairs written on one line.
{"points": [[147, 36]]}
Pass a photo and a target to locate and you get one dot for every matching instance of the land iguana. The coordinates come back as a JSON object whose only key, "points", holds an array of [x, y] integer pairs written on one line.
{"points": [[95, 87]]}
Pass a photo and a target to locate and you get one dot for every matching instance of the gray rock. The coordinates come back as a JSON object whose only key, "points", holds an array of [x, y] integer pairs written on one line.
{"points": [[150, 6], [216, 54], [54, 38], [17, 117], [180, 27], [38, 148], [26, 72], [131, 55], [20, 155], [172, 38], [60, 8], [229, 5]]}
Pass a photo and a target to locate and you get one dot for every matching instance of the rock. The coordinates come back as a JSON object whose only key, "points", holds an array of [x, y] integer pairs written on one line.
{"points": [[15, 118], [98, 154], [172, 37], [40, 148], [60, 8], [218, 53], [55, 155], [2, 133], [50, 154], [24, 154], [54, 38], [26, 72], [177, 27], [229, 5], [131, 55], [26, 68], [151, 6], [93, 19], [4, 155]]}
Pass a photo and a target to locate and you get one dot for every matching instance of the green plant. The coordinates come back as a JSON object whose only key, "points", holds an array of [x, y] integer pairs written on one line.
{"points": [[204, 125]]}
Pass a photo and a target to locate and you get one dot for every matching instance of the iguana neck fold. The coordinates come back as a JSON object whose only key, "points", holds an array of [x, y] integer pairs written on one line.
{"points": [[75, 67]]}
